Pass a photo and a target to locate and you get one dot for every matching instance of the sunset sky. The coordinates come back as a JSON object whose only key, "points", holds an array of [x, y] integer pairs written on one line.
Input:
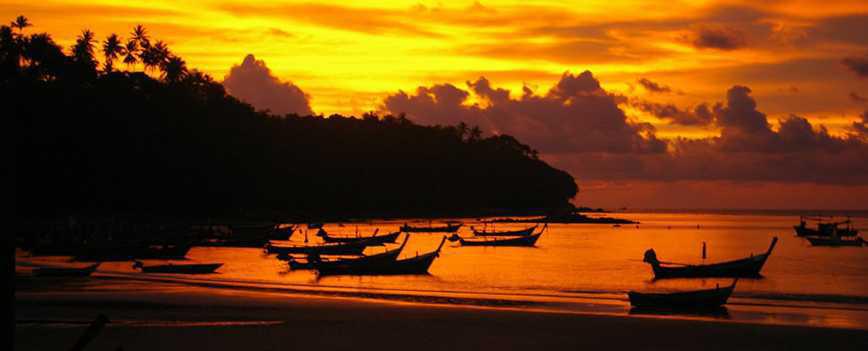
{"points": [[715, 104]]}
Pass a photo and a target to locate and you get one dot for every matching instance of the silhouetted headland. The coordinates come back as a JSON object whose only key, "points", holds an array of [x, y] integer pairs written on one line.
{"points": [[161, 140], [567, 218]]}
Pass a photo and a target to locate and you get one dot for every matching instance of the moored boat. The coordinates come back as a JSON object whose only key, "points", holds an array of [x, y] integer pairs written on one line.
{"points": [[524, 240], [186, 268], [835, 241], [520, 232], [745, 267], [349, 248], [65, 271], [418, 264], [448, 228], [825, 227], [350, 265], [367, 240], [697, 299]]}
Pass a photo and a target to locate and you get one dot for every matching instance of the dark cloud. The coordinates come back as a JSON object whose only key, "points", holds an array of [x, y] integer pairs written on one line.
{"points": [[858, 65], [654, 87], [579, 127], [700, 115], [253, 82], [858, 98], [719, 38], [576, 115]]}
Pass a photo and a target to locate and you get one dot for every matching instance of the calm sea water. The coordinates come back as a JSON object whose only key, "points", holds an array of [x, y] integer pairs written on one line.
{"points": [[591, 267]]}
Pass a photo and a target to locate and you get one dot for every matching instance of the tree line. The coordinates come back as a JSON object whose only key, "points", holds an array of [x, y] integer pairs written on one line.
{"points": [[167, 140]]}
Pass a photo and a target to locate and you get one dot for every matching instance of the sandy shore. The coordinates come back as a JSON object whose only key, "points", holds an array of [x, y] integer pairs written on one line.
{"points": [[149, 316]]}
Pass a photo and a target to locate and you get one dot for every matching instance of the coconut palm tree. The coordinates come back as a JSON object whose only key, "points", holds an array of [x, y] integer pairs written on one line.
{"points": [[140, 35], [174, 69], [112, 49], [82, 51], [131, 52], [21, 23], [154, 56]]}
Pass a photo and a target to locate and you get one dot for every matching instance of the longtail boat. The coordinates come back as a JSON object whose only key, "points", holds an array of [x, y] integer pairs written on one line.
{"points": [[350, 248], [697, 299], [418, 264], [520, 232], [367, 240], [525, 240], [448, 228], [826, 229], [65, 271], [349, 264], [835, 241], [186, 268], [745, 267]]}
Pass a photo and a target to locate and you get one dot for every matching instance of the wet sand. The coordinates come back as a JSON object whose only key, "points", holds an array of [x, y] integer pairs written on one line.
{"points": [[158, 316]]}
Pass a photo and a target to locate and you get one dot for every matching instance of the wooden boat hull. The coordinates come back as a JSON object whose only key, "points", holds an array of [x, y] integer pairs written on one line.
{"points": [[203, 268], [442, 229], [529, 240], [368, 240], [65, 272], [350, 264], [699, 299], [805, 231], [749, 267], [327, 249], [413, 265], [831, 241], [522, 232]]}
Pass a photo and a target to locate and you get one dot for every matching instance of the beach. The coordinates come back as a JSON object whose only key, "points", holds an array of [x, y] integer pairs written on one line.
{"points": [[167, 316]]}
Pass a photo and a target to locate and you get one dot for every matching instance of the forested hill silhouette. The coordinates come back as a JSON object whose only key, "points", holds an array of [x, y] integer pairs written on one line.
{"points": [[93, 139]]}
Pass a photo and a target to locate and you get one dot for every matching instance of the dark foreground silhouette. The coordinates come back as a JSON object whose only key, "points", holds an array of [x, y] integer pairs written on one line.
{"points": [[93, 140]]}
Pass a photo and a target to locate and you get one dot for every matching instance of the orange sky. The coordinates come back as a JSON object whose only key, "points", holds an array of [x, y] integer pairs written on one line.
{"points": [[349, 56]]}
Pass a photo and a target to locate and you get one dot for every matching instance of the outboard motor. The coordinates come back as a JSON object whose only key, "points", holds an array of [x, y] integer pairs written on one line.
{"points": [[454, 237]]}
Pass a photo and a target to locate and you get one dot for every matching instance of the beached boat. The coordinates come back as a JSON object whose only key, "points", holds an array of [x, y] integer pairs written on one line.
{"points": [[418, 264], [834, 241], [65, 271], [448, 228], [520, 232], [698, 299], [367, 240], [186, 268], [349, 264], [827, 229], [350, 248], [745, 267], [524, 240]]}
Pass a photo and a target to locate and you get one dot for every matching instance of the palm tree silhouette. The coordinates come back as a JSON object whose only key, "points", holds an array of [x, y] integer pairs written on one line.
{"points": [[131, 52], [82, 51], [154, 56], [112, 49], [140, 35], [174, 69], [21, 23]]}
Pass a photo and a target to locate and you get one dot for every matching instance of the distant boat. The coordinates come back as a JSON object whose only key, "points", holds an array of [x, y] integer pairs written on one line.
{"points": [[824, 228], [164, 251], [698, 299], [524, 240], [418, 264], [834, 241], [520, 232], [745, 267], [349, 248], [65, 271], [448, 228], [368, 240], [349, 265], [187, 268]]}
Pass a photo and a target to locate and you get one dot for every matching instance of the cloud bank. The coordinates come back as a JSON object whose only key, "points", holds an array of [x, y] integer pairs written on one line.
{"points": [[253, 82], [579, 126]]}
